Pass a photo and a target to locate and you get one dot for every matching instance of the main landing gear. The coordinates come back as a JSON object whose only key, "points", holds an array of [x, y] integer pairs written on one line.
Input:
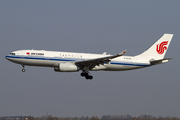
{"points": [[86, 75], [23, 70]]}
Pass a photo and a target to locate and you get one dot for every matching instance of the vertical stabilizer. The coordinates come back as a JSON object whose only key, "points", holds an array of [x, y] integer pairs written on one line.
{"points": [[157, 50]]}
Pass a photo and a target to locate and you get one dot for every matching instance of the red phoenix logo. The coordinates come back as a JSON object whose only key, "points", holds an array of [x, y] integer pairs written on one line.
{"points": [[160, 48]]}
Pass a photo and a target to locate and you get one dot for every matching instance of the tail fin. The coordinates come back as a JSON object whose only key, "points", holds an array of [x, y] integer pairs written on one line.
{"points": [[157, 50]]}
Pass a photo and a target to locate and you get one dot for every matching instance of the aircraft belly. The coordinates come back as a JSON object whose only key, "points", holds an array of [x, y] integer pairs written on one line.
{"points": [[111, 67], [100, 67]]}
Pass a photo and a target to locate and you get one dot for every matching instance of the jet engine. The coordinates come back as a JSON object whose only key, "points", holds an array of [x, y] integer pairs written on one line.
{"points": [[67, 67]]}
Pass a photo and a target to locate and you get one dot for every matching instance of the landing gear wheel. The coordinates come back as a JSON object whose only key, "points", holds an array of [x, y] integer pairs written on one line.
{"points": [[86, 75], [83, 74], [23, 70], [90, 77]]}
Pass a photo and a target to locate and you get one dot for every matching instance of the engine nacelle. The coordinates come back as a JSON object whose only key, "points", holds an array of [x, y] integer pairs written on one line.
{"points": [[67, 67]]}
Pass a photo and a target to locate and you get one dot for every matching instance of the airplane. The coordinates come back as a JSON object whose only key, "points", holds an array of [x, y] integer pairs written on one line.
{"points": [[85, 62]]}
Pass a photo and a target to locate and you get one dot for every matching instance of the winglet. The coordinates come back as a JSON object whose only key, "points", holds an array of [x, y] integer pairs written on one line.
{"points": [[118, 55], [104, 53], [122, 53]]}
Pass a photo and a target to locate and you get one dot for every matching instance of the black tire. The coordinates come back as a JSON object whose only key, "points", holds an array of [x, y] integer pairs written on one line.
{"points": [[87, 77], [82, 74], [90, 77]]}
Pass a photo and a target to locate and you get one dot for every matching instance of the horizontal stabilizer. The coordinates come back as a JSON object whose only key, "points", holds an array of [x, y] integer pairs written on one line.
{"points": [[154, 62]]}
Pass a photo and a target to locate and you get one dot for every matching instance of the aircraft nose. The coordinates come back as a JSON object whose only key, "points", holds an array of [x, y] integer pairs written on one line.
{"points": [[7, 57]]}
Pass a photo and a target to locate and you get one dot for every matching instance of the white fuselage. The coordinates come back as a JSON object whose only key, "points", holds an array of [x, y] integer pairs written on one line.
{"points": [[54, 58], [73, 62]]}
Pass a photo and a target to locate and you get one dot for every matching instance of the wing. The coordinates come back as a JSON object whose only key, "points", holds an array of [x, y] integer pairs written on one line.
{"points": [[97, 61]]}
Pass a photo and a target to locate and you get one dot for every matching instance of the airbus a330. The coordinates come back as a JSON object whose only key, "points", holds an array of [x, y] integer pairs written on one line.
{"points": [[85, 62]]}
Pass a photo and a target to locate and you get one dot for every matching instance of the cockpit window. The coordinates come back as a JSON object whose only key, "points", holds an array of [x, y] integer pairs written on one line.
{"points": [[12, 54]]}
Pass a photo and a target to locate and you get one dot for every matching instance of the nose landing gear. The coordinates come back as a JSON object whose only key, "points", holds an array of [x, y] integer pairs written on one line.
{"points": [[23, 70]]}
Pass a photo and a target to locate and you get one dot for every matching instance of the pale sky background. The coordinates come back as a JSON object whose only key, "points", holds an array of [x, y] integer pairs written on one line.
{"points": [[93, 26]]}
